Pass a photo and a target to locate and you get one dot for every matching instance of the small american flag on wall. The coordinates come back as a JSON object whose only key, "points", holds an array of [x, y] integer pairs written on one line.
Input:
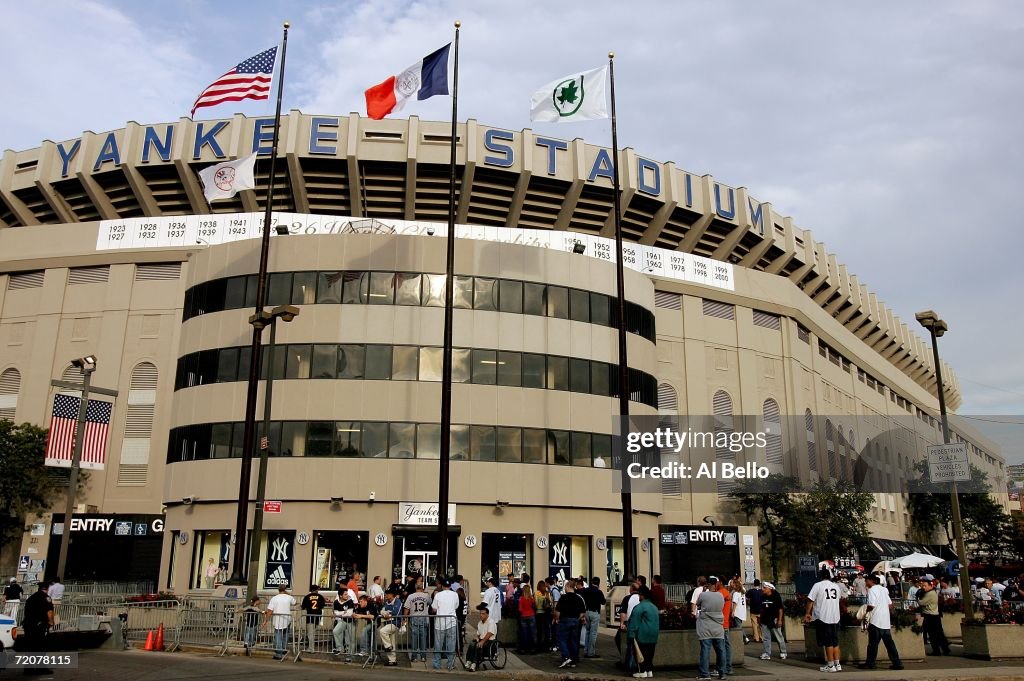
{"points": [[60, 444]]}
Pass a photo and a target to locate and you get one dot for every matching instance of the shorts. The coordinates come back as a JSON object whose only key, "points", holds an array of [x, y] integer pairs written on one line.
{"points": [[827, 634]]}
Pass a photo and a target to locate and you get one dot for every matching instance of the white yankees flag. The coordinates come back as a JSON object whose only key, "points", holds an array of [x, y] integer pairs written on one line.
{"points": [[60, 444]]}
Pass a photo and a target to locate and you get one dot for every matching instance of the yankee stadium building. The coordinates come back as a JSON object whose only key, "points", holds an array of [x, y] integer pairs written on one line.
{"points": [[109, 248]]}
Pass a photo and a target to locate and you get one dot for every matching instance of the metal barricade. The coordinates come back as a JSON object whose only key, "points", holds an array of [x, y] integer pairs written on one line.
{"points": [[206, 623]]}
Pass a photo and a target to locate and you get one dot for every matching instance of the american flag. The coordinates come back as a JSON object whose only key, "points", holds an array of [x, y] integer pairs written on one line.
{"points": [[60, 447], [248, 80]]}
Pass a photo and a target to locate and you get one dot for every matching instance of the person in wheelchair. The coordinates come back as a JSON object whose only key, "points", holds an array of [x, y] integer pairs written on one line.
{"points": [[486, 635]]}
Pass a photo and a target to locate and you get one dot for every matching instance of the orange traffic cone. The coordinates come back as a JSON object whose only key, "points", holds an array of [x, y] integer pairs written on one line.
{"points": [[159, 645], [149, 641]]}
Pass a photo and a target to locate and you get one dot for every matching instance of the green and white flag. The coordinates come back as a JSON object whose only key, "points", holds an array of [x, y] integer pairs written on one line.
{"points": [[576, 97]]}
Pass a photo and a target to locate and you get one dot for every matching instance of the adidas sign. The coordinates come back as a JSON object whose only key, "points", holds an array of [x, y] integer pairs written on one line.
{"points": [[277, 577]]}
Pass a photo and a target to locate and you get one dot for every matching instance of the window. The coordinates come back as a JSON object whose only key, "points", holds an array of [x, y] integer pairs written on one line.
{"points": [[600, 309], [460, 365], [463, 293], [510, 296], [510, 368], [320, 438], [279, 289], [227, 365], [382, 288], [599, 379], [293, 438], [433, 290], [378, 362], [350, 360], [533, 299], [304, 288], [299, 358], [534, 370], [812, 454], [234, 293], [220, 441], [403, 441], [481, 443], [375, 440], [713, 308], [428, 441], [408, 289], [403, 363], [558, 447], [509, 445], [721, 404], [773, 435], [602, 448], [534, 445], [329, 288], [668, 300], [485, 365], [557, 302], [485, 294], [346, 442], [325, 361], [581, 451], [579, 305], [431, 364], [767, 320], [355, 288], [579, 375], [558, 373]]}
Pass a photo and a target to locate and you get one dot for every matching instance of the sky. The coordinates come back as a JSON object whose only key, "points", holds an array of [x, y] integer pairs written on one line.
{"points": [[890, 129]]}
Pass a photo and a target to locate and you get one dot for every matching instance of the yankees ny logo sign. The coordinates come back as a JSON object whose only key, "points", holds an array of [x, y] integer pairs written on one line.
{"points": [[561, 551], [280, 550]]}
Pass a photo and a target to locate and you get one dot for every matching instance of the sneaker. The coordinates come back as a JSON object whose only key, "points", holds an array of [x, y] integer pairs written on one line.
{"points": [[826, 668], [766, 656], [640, 675], [839, 667], [565, 663], [782, 656]]}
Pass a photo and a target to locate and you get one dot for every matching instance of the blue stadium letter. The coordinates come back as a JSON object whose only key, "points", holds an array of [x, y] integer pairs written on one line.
{"points": [[316, 136], [259, 135], [491, 143], [163, 147], [756, 215], [602, 166], [67, 155], [108, 152], [722, 213], [553, 146], [643, 164], [208, 139]]}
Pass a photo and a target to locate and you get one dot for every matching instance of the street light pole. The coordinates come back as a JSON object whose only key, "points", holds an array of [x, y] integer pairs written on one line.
{"points": [[287, 313], [936, 327]]}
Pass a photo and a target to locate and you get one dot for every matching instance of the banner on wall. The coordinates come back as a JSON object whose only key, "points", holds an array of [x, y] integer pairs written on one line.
{"points": [[560, 557], [280, 551]]}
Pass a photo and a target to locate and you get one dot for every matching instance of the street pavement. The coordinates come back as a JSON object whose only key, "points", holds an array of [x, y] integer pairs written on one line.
{"points": [[137, 665]]}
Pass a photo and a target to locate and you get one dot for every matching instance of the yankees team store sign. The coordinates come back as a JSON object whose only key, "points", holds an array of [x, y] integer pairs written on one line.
{"points": [[280, 551]]}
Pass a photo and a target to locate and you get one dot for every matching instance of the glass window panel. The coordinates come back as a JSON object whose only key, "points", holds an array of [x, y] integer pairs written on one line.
{"points": [[234, 294], [237, 438], [510, 296], [460, 365], [601, 445], [273, 439], [403, 441], [293, 438], [558, 447], [557, 302], [481, 443], [329, 287], [433, 290], [485, 366], [599, 378], [227, 365], [299, 358], [350, 361], [558, 373], [354, 287], [346, 440], [279, 289], [533, 299], [378, 362], [431, 364], [535, 443], [403, 363], [319, 439], [220, 441], [510, 445], [375, 439], [250, 291], [534, 370], [408, 292], [485, 294], [244, 360], [579, 305], [579, 375], [458, 443], [463, 293], [510, 368], [325, 361], [304, 288], [600, 309], [581, 452], [428, 441], [382, 288], [280, 352]]}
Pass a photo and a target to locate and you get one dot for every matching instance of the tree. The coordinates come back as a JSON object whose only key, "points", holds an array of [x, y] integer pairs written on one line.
{"points": [[771, 502], [836, 515], [985, 524], [25, 486], [829, 519]]}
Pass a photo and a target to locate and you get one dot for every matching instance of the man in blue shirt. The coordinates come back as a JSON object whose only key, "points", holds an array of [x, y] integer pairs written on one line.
{"points": [[391, 616]]}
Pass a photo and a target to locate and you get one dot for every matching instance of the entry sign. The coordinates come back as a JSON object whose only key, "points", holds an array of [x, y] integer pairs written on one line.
{"points": [[949, 463], [271, 506]]}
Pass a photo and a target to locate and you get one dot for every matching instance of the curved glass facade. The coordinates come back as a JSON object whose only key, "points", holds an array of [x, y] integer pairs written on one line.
{"points": [[361, 287], [357, 361]]}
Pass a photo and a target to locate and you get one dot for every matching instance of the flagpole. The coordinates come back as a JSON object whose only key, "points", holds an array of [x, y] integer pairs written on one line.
{"points": [[628, 557], [446, 369], [249, 434]]}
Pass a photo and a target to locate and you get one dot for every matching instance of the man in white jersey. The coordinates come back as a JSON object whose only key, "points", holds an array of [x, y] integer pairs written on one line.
{"points": [[880, 626], [823, 610]]}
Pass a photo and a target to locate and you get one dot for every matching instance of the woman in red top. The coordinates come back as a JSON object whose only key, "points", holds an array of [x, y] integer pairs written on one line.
{"points": [[527, 622]]}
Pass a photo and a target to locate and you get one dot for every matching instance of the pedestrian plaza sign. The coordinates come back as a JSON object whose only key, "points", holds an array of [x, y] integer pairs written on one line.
{"points": [[949, 463]]}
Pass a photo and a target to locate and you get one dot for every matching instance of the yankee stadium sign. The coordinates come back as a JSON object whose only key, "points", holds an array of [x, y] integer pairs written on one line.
{"points": [[331, 136]]}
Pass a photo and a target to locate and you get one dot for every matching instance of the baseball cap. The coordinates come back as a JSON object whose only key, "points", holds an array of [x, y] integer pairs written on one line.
{"points": [[767, 585], [483, 606], [929, 578], [712, 579]]}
